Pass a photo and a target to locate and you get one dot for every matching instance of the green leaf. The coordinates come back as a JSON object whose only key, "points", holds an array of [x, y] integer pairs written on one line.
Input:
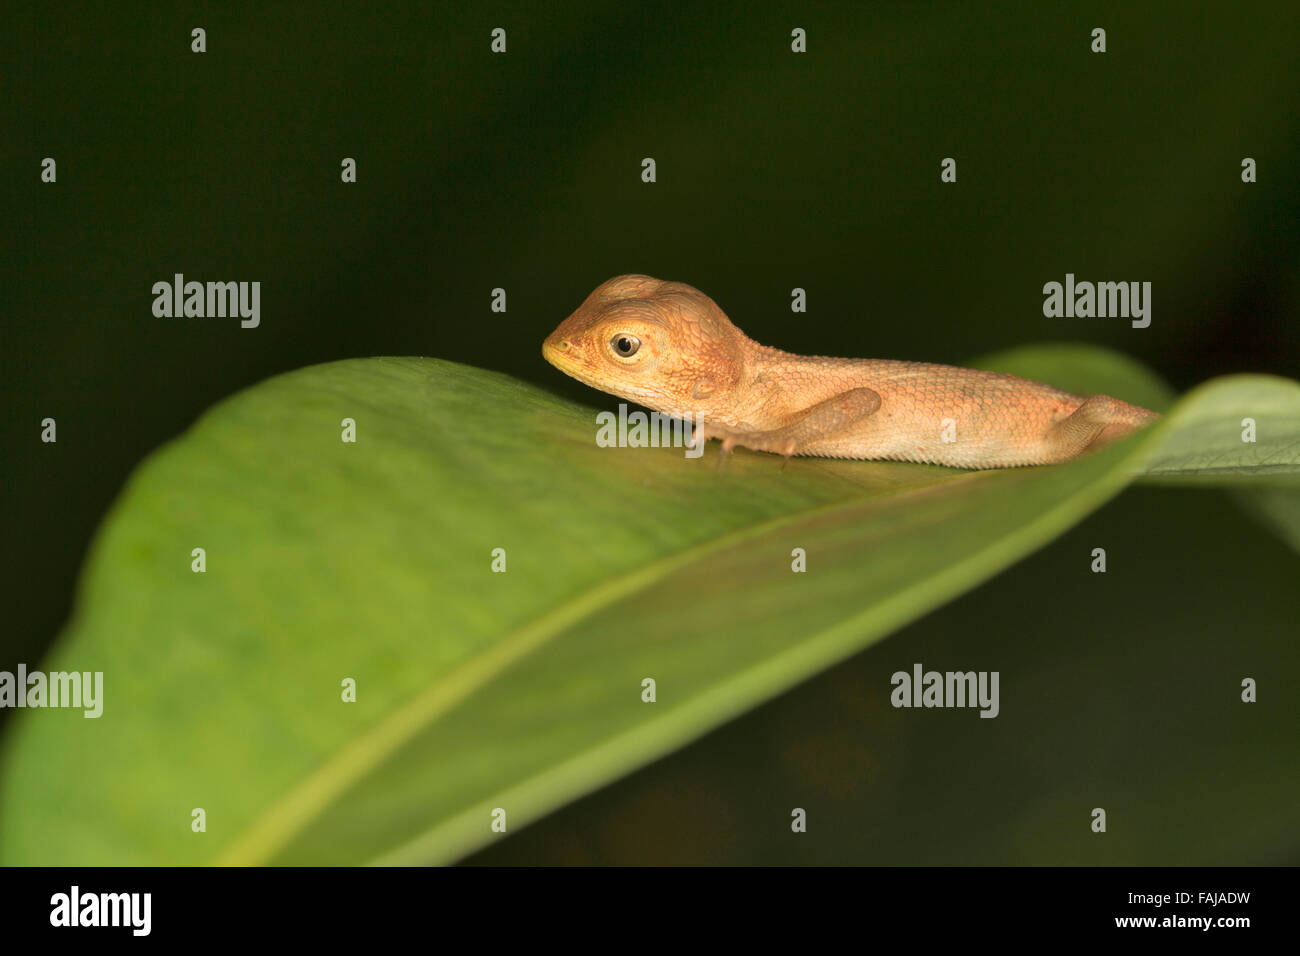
{"points": [[1258, 442], [476, 690]]}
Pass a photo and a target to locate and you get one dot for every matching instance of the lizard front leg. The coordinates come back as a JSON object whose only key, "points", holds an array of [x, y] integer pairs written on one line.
{"points": [[804, 427]]}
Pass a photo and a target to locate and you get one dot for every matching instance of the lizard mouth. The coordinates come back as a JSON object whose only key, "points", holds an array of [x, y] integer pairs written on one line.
{"points": [[565, 355], [560, 353]]}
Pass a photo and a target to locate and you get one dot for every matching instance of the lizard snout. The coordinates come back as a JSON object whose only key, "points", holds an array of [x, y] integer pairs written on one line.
{"points": [[556, 348]]}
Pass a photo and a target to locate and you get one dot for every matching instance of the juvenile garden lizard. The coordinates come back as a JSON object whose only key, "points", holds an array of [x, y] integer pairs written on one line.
{"points": [[670, 348]]}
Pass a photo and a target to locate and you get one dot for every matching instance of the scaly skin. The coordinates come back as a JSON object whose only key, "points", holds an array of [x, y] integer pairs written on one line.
{"points": [[670, 348]]}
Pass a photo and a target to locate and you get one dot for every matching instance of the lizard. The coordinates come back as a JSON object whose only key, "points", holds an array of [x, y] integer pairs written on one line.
{"points": [[669, 347]]}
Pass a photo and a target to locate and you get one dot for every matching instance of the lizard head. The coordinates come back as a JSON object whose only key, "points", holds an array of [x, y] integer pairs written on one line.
{"points": [[665, 345]]}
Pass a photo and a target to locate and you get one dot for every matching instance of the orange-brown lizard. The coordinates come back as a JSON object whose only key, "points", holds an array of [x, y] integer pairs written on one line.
{"points": [[670, 348]]}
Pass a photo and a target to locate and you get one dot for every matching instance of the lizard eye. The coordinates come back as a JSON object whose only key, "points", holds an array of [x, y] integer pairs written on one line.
{"points": [[624, 345]]}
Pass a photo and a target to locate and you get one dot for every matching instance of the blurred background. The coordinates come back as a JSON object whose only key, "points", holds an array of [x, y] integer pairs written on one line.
{"points": [[775, 170]]}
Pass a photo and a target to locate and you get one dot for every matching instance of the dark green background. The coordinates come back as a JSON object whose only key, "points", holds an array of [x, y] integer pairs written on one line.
{"points": [[775, 170]]}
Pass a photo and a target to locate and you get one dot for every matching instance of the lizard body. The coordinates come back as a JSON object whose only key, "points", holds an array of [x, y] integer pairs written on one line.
{"points": [[669, 347]]}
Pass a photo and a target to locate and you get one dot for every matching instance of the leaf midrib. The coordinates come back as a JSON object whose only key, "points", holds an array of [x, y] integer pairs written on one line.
{"points": [[292, 812], [661, 734]]}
